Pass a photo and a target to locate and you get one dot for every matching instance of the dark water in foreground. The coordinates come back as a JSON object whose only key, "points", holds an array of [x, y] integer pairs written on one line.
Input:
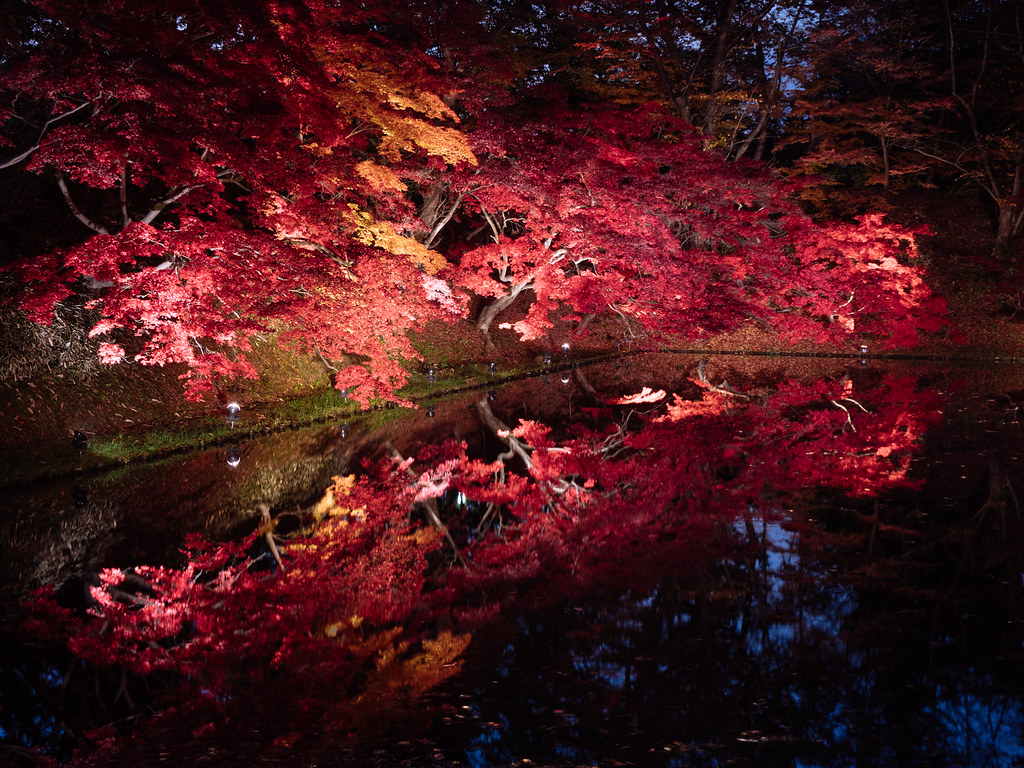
{"points": [[793, 656], [819, 630]]}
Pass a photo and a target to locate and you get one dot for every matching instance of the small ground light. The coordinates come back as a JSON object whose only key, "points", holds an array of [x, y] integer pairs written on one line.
{"points": [[863, 349], [431, 374], [80, 440], [234, 411], [565, 377], [233, 456], [343, 394], [491, 395], [430, 412], [343, 430], [547, 359], [492, 368], [565, 349]]}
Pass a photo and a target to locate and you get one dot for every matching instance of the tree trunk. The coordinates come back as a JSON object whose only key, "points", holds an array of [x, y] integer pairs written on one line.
{"points": [[1010, 217], [885, 164], [496, 307], [717, 74], [760, 131]]}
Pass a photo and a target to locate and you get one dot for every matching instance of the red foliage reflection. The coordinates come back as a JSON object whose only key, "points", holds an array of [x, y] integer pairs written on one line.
{"points": [[367, 605]]}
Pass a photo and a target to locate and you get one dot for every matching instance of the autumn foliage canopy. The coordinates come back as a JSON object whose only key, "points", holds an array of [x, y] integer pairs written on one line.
{"points": [[335, 175], [332, 176]]}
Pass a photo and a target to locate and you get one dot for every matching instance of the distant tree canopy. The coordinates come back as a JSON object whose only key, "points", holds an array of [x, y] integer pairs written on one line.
{"points": [[887, 92], [337, 174]]}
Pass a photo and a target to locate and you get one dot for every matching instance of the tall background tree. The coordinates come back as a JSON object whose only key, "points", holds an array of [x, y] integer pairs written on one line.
{"points": [[985, 77], [929, 93]]}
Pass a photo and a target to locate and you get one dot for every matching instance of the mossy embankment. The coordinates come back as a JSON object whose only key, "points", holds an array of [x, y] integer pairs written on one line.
{"points": [[63, 420]]}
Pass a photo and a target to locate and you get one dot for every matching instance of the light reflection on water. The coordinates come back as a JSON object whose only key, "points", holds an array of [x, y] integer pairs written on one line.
{"points": [[798, 641], [777, 659]]}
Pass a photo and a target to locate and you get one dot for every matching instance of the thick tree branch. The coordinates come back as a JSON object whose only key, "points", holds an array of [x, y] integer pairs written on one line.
{"points": [[46, 126], [495, 308], [518, 448], [175, 195], [502, 430], [74, 208]]}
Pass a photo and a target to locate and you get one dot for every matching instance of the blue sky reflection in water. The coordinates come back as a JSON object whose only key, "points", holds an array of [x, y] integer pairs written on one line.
{"points": [[815, 629], [829, 631], [791, 670]]}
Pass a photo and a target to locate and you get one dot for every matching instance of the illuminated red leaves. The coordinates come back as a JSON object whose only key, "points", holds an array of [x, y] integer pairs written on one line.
{"points": [[613, 213], [221, 618], [645, 489], [645, 395], [624, 499], [266, 173], [232, 147]]}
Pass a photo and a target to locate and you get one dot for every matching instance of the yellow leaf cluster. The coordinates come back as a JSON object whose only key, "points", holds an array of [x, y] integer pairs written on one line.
{"points": [[400, 680], [380, 178], [424, 102], [381, 234], [372, 90], [317, 150], [354, 621], [406, 133], [343, 485]]}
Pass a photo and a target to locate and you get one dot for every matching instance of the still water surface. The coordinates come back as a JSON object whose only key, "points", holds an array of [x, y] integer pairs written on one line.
{"points": [[822, 629]]}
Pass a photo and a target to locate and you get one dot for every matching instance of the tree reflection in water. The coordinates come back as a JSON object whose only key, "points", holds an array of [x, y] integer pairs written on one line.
{"points": [[796, 648], [677, 571]]}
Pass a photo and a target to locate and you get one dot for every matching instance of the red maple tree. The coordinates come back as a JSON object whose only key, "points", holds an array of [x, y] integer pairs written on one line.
{"points": [[603, 209], [286, 170], [237, 172]]}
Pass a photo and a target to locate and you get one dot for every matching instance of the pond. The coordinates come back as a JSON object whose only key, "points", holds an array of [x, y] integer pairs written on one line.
{"points": [[653, 560]]}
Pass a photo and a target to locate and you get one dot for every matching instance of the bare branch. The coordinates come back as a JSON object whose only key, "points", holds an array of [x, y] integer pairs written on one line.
{"points": [[495, 308], [495, 230], [229, 176], [723, 388], [517, 447], [46, 126], [126, 219], [502, 430], [443, 221], [345, 265], [267, 527], [429, 505], [175, 195], [74, 208], [583, 180], [625, 321], [18, 158], [558, 255]]}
